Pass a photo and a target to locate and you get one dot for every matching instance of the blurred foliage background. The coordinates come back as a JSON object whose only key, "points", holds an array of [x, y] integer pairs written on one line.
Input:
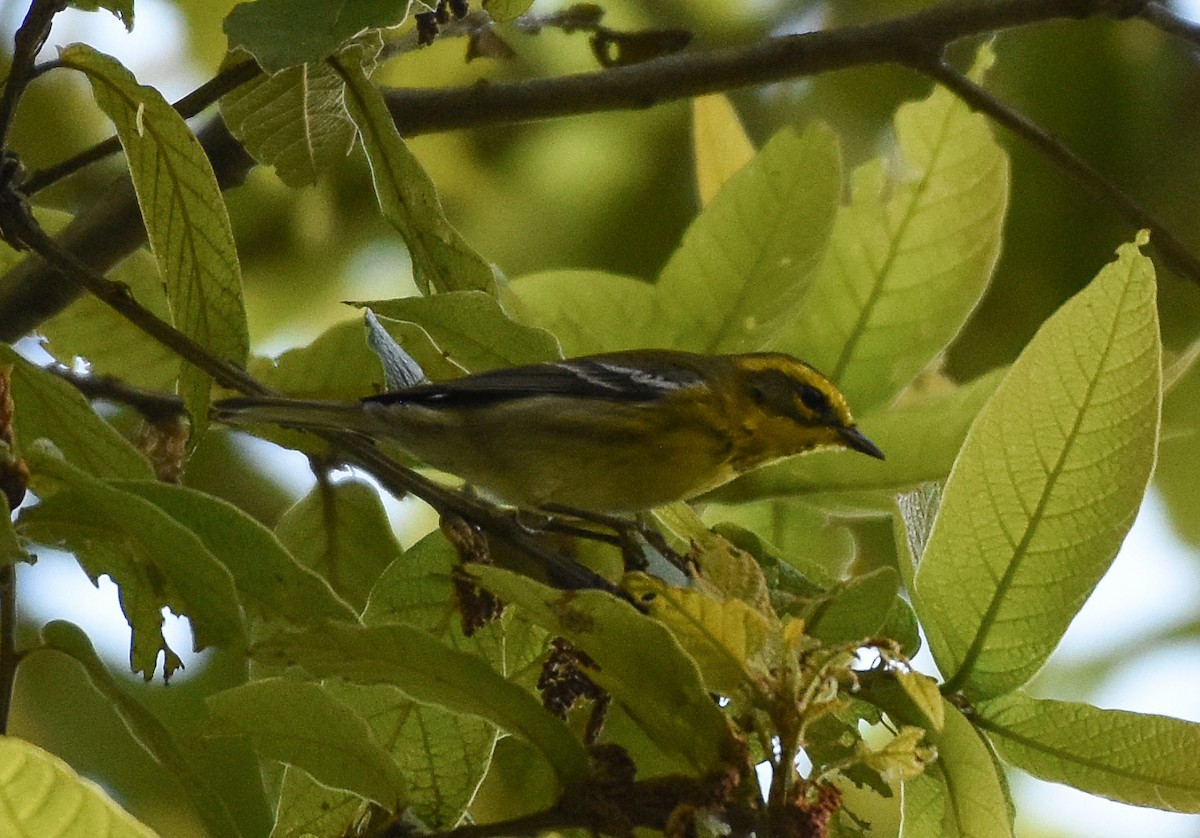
{"points": [[615, 191]]}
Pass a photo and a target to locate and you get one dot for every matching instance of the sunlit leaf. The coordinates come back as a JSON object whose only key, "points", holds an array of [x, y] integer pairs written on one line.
{"points": [[42, 796], [184, 213], [1134, 758], [296, 119], [1047, 484], [910, 256], [720, 144]]}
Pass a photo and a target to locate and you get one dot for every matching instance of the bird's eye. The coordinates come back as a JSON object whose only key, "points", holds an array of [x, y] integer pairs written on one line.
{"points": [[758, 394], [813, 399]]}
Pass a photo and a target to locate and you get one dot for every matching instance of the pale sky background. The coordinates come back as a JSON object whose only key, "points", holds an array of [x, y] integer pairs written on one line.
{"points": [[1154, 583]]}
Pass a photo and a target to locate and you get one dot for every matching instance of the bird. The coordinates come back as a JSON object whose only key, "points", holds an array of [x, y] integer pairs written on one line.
{"points": [[611, 433]]}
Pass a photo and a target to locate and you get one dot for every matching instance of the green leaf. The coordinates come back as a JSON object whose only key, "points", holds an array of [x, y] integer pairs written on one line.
{"points": [[266, 574], [284, 33], [725, 570], [40, 795], [338, 365], [744, 262], [47, 407], [855, 609], [301, 724], [184, 213], [1135, 758], [659, 687], [964, 791], [720, 143], [112, 345], [1046, 486], [913, 522], [593, 311], [735, 278], [910, 257], [796, 535], [121, 9], [145, 728], [471, 329], [154, 560], [296, 119], [732, 644], [442, 260], [342, 532], [431, 672], [921, 440]]}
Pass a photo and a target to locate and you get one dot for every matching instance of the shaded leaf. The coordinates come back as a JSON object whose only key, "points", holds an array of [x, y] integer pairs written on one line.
{"points": [[431, 672], [660, 687], [301, 724], [266, 574], [442, 260], [47, 407], [284, 33], [144, 727], [154, 560]]}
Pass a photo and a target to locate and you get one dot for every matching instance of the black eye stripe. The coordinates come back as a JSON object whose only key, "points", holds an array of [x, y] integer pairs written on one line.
{"points": [[812, 398]]}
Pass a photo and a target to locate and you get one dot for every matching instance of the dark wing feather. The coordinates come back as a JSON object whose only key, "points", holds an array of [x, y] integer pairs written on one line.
{"points": [[635, 377]]}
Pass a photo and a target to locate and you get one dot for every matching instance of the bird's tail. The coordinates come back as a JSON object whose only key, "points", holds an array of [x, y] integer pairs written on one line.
{"points": [[292, 413]]}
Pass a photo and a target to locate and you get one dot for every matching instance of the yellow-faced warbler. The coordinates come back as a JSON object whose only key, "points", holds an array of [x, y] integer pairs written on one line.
{"points": [[618, 432]]}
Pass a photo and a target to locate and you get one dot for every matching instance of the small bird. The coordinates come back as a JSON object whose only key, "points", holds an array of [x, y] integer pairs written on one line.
{"points": [[611, 433]]}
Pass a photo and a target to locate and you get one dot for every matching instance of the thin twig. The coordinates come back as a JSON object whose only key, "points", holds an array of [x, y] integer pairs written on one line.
{"points": [[1175, 254], [153, 405], [27, 42], [9, 656]]}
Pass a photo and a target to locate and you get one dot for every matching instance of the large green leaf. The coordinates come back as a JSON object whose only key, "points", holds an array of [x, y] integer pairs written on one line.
{"points": [[144, 727], [342, 532], [267, 576], [40, 795], [1135, 758], [744, 263], [296, 119], [738, 274], [442, 260], [284, 33], [910, 257], [154, 560], [659, 686], [1046, 486], [961, 795], [184, 213], [301, 724], [45, 406], [431, 672]]}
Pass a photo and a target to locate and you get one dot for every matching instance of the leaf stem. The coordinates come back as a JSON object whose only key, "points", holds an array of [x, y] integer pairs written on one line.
{"points": [[9, 656]]}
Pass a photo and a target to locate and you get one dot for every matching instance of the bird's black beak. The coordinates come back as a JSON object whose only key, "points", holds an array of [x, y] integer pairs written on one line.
{"points": [[854, 438]]}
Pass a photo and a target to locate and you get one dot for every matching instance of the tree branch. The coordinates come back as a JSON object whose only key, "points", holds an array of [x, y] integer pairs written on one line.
{"points": [[106, 232]]}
